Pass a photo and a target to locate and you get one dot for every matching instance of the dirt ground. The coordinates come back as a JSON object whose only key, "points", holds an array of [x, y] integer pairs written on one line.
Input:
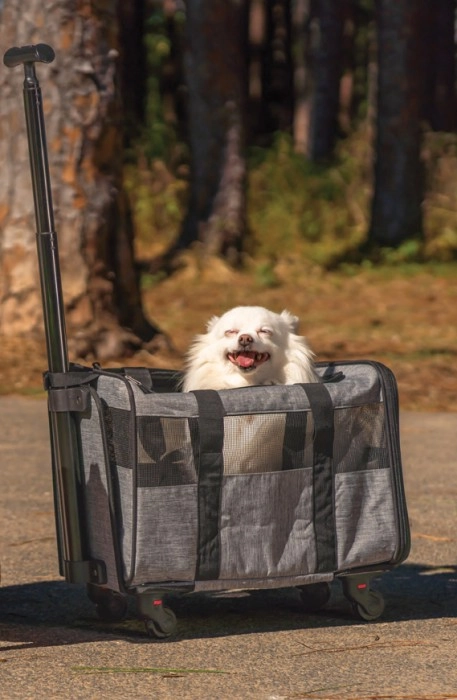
{"points": [[404, 317]]}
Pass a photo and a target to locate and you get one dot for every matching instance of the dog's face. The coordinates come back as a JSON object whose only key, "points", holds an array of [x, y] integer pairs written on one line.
{"points": [[248, 345], [251, 340]]}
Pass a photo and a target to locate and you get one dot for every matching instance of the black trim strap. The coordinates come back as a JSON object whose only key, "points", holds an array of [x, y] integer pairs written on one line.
{"points": [[67, 380], [293, 449], [324, 517], [211, 467]]}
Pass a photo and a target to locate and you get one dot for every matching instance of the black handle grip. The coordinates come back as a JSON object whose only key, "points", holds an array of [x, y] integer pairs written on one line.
{"points": [[34, 53]]}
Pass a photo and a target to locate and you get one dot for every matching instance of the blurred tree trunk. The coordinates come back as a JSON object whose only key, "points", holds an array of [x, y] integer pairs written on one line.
{"points": [[84, 133], [440, 74], [216, 75], [132, 68], [398, 193], [348, 69], [302, 23], [277, 68], [257, 42], [271, 75], [327, 69]]}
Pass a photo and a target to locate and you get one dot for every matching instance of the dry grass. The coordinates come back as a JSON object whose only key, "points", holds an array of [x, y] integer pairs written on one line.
{"points": [[404, 317]]}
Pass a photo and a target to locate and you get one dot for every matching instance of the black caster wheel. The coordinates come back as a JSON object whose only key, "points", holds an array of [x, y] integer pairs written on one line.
{"points": [[162, 625], [371, 609], [159, 621], [95, 593], [110, 606], [113, 608], [366, 604], [314, 596]]}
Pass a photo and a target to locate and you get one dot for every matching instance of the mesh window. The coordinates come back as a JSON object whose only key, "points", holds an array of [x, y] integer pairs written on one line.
{"points": [[165, 451], [253, 443], [360, 441]]}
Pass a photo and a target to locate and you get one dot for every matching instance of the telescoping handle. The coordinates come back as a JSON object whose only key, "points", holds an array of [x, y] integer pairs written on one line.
{"points": [[66, 471], [51, 286]]}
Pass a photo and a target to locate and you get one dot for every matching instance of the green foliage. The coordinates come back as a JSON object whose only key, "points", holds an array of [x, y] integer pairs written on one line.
{"points": [[265, 275], [302, 212], [409, 253], [151, 280], [440, 205], [322, 214], [299, 209], [317, 215], [159, 135], [158, 202]]}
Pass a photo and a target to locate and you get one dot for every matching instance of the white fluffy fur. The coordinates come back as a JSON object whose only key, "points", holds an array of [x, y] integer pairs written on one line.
{"points": [[290, 359]]}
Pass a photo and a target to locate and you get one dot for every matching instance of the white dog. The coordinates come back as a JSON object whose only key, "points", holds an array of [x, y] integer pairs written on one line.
{"points": [[249, 346]]}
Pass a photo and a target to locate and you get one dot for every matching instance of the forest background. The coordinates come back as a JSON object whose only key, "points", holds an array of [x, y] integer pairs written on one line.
{"points": [[288, 153]]}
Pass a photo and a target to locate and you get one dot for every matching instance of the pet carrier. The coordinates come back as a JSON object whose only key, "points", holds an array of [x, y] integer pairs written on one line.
{"points": [[160, 491]]}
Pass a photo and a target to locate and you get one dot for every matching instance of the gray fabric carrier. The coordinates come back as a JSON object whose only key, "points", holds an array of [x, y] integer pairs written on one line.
{"points": [[244, 488]]}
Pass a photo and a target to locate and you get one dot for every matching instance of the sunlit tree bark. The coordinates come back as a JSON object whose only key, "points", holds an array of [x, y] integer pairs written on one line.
{"points": [[83, 116]]}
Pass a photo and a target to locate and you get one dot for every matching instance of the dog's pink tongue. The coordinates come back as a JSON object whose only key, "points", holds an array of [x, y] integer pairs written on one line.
{"points": [[245, 359]]}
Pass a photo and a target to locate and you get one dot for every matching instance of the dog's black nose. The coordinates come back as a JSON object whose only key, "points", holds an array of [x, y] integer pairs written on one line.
{"points": [[245, 339]]}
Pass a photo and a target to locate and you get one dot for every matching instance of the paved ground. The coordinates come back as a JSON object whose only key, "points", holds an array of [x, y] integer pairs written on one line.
{"points": [[260, 646]]}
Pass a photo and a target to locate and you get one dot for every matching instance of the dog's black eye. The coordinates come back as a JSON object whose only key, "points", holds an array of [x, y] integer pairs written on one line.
{"points": [[230, 332], [266, 331]]}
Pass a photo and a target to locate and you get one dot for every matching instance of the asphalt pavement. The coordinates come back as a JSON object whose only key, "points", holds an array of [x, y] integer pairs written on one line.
{"points": [[240, 646]]}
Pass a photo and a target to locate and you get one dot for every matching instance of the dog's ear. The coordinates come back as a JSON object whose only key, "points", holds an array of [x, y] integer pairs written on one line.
{"points": [[291, 320], [211, 323]]}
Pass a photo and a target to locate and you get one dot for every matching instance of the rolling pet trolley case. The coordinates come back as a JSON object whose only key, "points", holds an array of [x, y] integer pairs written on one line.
{"points": [[262, 487]]}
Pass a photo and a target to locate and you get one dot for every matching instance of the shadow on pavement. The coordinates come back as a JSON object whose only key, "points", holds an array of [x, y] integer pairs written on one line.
{"points": [[54, 613]]}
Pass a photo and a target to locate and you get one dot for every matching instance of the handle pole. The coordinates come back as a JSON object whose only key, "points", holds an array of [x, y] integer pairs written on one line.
{"points": [[66, 468]]}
